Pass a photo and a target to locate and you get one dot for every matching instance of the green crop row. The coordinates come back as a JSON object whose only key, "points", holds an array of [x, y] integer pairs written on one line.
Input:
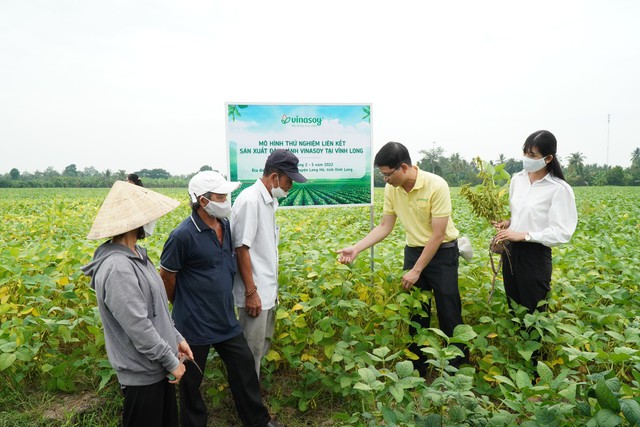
{"points": [[328, 194]]}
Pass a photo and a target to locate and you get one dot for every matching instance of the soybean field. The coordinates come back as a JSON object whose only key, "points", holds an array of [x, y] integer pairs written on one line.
{"points": [[339, 356]]}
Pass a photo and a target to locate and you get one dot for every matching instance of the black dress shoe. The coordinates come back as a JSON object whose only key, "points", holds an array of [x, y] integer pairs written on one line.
{"points": [[274, 423]]}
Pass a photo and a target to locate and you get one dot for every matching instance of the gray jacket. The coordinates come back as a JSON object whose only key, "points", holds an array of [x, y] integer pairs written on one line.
{"points": [[141, 340]]}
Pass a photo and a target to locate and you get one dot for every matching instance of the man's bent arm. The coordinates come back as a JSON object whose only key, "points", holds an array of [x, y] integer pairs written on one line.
{"points": [[439, 227], [169, 280]]}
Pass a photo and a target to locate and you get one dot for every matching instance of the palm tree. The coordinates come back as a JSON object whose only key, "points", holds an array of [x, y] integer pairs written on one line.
{"points": [[576, 168], [501, 159], [456, 162], [457, 166], [576, 162], [635, 157]]}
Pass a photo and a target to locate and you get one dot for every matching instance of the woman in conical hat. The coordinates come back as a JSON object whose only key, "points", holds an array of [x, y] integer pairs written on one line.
{"points": [[143, 346]]}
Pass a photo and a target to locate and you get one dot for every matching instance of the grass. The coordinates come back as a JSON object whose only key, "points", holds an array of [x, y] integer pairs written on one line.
{"points": [[39, 408]]}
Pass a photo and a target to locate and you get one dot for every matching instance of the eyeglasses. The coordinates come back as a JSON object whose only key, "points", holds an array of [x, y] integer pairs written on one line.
{"points": [[388, 174]]}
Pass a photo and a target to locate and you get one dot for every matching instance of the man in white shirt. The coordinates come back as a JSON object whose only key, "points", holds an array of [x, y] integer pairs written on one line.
{"points": [[255, 236]]}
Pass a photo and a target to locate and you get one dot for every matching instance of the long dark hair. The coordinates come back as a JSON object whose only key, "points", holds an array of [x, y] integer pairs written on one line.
{"points": [[546, 143]]}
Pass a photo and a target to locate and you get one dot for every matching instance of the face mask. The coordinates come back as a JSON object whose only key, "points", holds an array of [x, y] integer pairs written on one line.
{"points": [[148, 228], [533, 165], [218, 209], [278, 192]]}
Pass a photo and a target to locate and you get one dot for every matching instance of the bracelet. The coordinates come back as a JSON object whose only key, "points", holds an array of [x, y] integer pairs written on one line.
{"points": [[251, 292]]}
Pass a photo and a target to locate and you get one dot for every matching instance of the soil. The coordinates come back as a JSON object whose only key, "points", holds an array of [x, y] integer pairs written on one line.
{"points": [[71, 403]]}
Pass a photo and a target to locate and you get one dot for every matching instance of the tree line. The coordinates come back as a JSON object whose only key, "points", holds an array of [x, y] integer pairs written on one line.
{"points": [[89, 177], [458, 171], [454, 169]]}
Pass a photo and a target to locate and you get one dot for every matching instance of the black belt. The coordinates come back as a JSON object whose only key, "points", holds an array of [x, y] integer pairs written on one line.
{"points": [[447, 245]]}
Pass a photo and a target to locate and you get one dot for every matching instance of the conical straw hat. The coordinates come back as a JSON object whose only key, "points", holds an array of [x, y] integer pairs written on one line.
{"points": [[128, 207]]}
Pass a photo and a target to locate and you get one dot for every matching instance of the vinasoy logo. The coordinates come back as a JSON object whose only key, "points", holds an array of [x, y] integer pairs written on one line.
{"points": [[298, 121]]}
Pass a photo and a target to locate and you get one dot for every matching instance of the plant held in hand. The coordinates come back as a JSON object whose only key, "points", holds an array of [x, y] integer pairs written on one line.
{"points": [[490, 200]]}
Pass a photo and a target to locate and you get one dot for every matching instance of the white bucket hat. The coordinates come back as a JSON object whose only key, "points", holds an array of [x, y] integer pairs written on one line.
{"points": [[128, 207], [209, 182]]}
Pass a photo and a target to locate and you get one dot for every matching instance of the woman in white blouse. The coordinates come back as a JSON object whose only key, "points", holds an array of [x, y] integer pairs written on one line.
{"points": [[543, 215]]}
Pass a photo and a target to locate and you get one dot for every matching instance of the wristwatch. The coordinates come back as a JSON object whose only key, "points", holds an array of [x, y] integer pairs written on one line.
{"points": [[527, 237]]}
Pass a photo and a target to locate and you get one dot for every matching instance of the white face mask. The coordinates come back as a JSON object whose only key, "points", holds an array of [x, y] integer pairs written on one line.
{"points": [[218, 209], [533, 165], [149, 227], [278, 192]]}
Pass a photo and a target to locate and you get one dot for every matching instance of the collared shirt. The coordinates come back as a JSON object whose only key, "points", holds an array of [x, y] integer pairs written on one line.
{"points": [[429, 198], [253, 223], [203, 306], [545, 209]]}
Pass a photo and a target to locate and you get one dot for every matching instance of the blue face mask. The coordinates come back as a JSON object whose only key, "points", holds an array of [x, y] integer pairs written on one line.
{"points": [[533, 165]]}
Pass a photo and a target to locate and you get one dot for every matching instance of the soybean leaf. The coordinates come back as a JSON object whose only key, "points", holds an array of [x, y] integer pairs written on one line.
{"points": [[607, 418], [6, 360], [546, 375], [631, 411], [605, 397]]}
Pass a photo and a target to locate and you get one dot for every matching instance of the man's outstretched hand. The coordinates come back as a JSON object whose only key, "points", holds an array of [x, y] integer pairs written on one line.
{"points": [[347, 255]]}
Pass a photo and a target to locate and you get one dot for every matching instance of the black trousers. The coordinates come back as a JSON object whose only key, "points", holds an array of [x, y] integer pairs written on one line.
{"points": [[527, 274], [441, 277], [243, 382], [150, 405]]}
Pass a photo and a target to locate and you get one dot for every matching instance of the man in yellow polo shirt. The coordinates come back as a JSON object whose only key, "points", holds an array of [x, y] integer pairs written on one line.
{"points": [[422, 202]]}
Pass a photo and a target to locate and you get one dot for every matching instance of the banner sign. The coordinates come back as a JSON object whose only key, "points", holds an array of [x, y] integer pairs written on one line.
{"points": [[333, 143]]}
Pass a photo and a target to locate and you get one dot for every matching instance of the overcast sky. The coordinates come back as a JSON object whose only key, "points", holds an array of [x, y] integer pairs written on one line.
{"points": [[143, 84]]}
